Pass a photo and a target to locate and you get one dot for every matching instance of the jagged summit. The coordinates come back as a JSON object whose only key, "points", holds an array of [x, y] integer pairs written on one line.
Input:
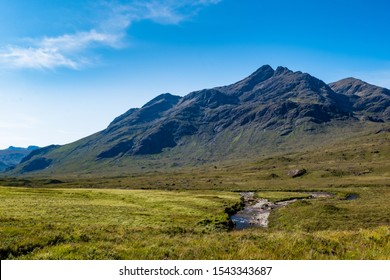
{"points": [[280, 70], [263, 73]]}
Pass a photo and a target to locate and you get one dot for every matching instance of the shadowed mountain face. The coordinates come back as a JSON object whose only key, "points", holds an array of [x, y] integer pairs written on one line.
{"points": [[257, 114]]}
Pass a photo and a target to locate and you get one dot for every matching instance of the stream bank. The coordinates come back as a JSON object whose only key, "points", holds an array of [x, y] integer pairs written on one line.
{"points": [[257, 210]]}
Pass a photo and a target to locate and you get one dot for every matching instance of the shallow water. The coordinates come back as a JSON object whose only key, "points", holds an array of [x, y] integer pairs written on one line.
{"points": [[253, 215]]}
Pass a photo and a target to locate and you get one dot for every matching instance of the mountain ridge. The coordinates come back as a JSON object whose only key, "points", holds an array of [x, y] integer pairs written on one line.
{"points": [[263, 112]]}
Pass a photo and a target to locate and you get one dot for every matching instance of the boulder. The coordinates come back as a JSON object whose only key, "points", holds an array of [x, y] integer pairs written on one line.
{"points": [[296, 172]]}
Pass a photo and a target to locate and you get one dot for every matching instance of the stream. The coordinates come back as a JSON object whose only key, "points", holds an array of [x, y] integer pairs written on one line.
{"points": [[257, 211]]}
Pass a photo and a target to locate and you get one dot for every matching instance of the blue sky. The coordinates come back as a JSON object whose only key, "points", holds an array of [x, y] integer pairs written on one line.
{"points": [[68, 68]]}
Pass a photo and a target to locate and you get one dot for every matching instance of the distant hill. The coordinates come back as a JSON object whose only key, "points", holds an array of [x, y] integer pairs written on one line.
{"points": [[14, 155], [270, 111]]}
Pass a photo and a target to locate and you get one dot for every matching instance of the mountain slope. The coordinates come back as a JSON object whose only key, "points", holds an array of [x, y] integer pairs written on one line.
{"points": [[268, 112]]}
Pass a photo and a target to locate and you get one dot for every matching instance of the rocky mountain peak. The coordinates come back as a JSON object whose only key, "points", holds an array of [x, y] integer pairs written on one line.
{"points": [[166, 98], [260, 75]]}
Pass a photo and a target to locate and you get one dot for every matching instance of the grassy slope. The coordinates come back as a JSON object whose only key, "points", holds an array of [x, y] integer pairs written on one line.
{"points": [[180, 214], [241, 143]]}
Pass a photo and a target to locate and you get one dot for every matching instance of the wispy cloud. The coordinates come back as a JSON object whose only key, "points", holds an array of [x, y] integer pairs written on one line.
{"points": [[69, 50], [62, 51], [173, 12], [19, 57]]}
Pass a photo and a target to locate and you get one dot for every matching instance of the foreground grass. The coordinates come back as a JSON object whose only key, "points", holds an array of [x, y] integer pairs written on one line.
{"points": [[124, 243], [32, 219], [152, 224]]}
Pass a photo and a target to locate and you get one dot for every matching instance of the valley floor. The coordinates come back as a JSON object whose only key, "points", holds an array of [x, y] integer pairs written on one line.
{"points": [[154, 224]]}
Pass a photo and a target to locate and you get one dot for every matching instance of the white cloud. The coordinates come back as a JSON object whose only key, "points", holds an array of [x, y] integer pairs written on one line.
{"points": [[68, 50], [162, 13], [79, 41], [38, 58], [53, 52]]}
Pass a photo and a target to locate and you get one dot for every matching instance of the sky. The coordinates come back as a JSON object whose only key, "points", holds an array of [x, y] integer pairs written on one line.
{"points": [[68, 68]]}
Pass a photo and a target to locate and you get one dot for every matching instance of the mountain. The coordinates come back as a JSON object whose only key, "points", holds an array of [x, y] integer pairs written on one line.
{"points": [[368, 100], [13, 155], [271, 111]]}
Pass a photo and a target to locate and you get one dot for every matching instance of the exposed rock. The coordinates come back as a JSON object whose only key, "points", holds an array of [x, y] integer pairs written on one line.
{"points": [[296, 173]]}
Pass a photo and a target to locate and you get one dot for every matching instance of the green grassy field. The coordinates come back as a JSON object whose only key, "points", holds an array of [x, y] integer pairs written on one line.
{"points": [[152, 224], [54, 223], [182, 213]]}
